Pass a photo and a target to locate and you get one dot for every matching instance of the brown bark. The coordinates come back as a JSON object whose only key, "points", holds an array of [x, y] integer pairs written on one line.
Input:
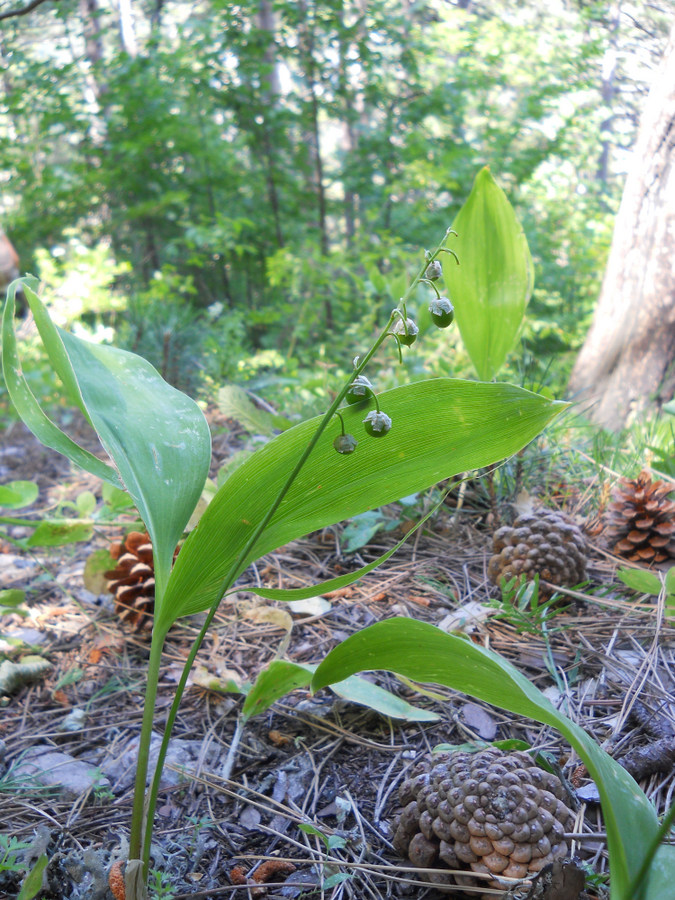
{"points": [[627, 360]]}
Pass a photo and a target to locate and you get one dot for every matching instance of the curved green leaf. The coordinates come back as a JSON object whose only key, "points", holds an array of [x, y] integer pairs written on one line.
{"points": [[23, 399], [494, 280], [157, 437], [281, 677], [441, 427], [422, 652]]}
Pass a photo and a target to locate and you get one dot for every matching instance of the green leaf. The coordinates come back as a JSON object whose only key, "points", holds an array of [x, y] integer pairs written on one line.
{"points": [[115, 498], [57, 534], [670, 581], [493, 282], [441, 427], [85, 503], [12, 597], [421, 651], [22, 396], [275, 681], [365, 693], [361, 530], [281, 677], [98, 562], [32, 884], [18, 494], [640, 580], [157, 437], [337, 878]]}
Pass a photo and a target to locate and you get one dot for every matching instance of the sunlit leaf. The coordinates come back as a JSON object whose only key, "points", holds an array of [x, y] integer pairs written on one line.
{"points": [[56, 534], [281, 677], [18, 494], [421, 651], [493, 282], [441, 427], [640, 580], [157, 437]]}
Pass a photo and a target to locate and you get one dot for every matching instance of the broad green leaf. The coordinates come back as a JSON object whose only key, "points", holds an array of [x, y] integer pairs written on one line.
{"points": [[281, 677], [421, 651], [493, 282], [23, 399], [640, 580], [441, 427], [18, 494], [157, 437], [57, 534]]}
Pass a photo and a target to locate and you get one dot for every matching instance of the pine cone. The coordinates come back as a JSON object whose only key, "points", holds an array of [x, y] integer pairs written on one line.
{"points": [[490, 812], [641, 520], [132, 581], [544, 542]]}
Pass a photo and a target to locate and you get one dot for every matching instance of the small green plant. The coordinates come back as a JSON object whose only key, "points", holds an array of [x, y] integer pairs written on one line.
{"points": [[646, 582], [410, 438], [160, 886], [522, 607], [11, 849]]}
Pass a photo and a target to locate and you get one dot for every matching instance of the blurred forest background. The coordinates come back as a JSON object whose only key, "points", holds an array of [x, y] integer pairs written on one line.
{"points": [[240, 191]]}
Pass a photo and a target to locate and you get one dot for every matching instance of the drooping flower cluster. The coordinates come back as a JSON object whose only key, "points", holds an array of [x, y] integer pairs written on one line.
{"points": [[405, 331]]}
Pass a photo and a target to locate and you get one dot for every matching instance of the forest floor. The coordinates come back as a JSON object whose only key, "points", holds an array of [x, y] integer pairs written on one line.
{"points": [[315, 760]]}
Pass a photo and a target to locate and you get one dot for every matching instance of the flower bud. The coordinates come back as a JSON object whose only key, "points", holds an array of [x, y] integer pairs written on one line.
{"points": [[407, 334], [377, 423], [359, 390], [434, 270], [345, 443], [442, 311]]}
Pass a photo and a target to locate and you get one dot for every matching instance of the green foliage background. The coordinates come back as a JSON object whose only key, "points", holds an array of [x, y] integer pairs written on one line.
{"points": [[237, 188]]}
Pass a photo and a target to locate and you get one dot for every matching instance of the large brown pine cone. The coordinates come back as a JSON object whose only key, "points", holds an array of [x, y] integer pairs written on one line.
{"points": [[544, 542], [641, 520], [490, 812], [132, 581]]}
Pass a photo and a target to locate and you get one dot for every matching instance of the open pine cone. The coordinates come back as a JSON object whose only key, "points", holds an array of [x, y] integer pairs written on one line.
{"points": [[132, 581], [641, 520], [491, 812], [544, 542]]}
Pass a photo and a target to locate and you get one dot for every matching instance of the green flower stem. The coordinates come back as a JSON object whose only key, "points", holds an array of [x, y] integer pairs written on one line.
{"points": [[138, 819], [227, 584]]}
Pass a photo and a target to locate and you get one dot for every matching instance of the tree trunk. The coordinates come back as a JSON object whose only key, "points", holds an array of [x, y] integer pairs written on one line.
{"points": [[628, 359]]}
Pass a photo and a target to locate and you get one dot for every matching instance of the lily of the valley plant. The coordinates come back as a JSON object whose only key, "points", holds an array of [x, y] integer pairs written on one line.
{"points": [[383, 446]]}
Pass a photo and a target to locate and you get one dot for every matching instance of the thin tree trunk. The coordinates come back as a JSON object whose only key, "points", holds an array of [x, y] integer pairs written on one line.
{"points": [[608, 90], [127, 28]]}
